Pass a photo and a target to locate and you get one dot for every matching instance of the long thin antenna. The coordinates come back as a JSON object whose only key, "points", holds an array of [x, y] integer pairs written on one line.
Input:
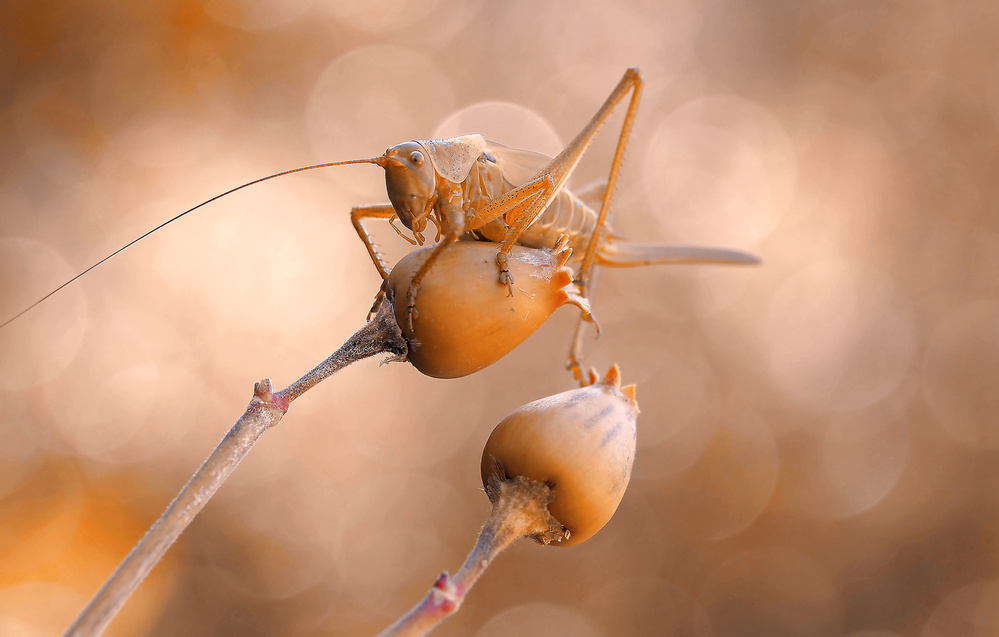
{"points": [[373, 160]]}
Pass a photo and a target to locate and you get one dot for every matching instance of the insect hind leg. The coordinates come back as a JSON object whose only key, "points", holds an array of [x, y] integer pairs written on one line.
{"points": [[631, 82]]}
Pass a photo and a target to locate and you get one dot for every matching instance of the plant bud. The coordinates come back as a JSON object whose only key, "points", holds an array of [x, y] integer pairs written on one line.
{"points": [[581, 443], [465, 318]]}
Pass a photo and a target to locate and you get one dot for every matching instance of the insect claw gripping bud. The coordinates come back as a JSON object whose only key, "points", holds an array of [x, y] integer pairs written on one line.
{"points": [[505, 278]]}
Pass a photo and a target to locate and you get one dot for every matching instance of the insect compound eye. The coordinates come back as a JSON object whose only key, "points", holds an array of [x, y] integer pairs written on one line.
{"points": [[417, 158]]}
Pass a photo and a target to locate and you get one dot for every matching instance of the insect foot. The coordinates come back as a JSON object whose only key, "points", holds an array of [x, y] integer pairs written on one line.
{"points": [[505, 278], [465, 320], [580, 443]]}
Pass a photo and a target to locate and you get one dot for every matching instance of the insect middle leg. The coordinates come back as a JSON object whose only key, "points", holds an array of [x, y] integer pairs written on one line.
{"points": [[377, 211], [575, 362], [634, 80], [453, 219], [605, 193]]}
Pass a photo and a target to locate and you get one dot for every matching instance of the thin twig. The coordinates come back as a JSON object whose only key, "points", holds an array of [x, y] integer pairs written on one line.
{"points": [[266, 408], [380, 334], [520, 508]]}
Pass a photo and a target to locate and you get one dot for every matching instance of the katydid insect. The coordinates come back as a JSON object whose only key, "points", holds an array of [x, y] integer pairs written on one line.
{"points": [[470, 188], [473, 189]]}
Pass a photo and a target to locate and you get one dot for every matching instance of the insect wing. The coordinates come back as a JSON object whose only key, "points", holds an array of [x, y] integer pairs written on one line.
{"points": [[519, 166]]}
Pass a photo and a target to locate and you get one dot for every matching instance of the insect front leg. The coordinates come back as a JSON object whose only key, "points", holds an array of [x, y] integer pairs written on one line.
{"points": [[453, 222], [357, 216], [377, 211]]}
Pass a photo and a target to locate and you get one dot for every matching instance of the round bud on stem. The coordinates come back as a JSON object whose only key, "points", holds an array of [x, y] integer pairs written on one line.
{"points": [[580, 443], [465, 318], [554, 470]]}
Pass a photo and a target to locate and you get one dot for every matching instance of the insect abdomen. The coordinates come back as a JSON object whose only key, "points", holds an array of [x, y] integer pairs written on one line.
{"points": [[566, 215]]}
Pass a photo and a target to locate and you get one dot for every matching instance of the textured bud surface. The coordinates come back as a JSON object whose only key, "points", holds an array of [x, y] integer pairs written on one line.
{"points": [[466, 319], [580, 442]]}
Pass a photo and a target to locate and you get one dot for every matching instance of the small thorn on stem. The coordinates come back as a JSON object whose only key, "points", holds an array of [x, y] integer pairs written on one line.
{"points": [[442, 581], [264, 390]]}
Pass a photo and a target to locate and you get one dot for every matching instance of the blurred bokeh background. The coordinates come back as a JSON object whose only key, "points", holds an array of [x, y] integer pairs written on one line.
{"points": [[818, 445]]}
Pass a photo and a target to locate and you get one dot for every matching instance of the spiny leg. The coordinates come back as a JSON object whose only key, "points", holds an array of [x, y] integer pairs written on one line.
{"points": [[530, 198], [510, 240], [567, 160], [575, 362], [376, 211], [454, 221], [522, 205], [576, 354], [631, 79]]}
